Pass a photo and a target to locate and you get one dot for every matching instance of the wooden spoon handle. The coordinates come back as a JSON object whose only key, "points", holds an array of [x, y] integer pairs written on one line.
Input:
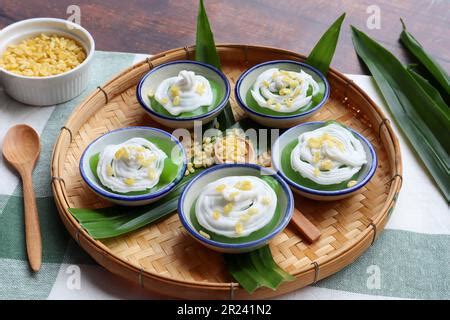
{"points": [[304, 226], [32, 228]]}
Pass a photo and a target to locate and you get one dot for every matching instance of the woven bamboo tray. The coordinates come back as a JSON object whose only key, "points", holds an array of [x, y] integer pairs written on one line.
{"points": [[162, 257]]}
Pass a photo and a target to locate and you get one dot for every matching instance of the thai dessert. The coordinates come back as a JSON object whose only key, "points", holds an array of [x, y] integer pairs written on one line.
{"points": [[330, 157], [237, 209], [186, 94], [136, 166], [282, 91]]}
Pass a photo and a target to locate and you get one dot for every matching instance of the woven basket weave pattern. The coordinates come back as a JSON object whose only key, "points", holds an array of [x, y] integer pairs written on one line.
{"points": [[164, 251]]}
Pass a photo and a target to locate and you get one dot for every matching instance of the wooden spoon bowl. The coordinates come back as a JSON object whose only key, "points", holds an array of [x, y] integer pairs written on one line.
{"points": [[21, 146]]}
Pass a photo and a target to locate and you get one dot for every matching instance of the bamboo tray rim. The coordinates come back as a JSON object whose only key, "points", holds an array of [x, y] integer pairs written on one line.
{"points": [[60, 195]]}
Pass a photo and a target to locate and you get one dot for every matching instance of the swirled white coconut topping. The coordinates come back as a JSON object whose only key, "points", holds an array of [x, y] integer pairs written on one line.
{"points": [[283, 91], [328, 155], [236, 206], [134, 165], [183, 93]]}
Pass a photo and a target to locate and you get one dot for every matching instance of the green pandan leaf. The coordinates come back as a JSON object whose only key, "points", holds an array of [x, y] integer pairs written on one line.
{"points": [[438, 73], [256, 269], [206, 51], [323, 52], [205, 47], [425, 124], [432, 92], [115, 221]]}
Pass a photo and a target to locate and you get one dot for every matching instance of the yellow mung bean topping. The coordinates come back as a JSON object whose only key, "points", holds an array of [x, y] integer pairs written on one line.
{"points": [[42, 56]]}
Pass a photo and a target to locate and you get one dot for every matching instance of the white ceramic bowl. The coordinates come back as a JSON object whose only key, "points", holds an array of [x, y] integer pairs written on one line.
{"points": [[248, 78], [290, 135], [121, 135], [192, 190], [154, 77], [42, 91]]}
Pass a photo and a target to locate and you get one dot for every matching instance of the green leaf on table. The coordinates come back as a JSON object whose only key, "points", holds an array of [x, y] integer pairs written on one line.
{"points": [[322, 53], [425, 124], [206, 51], [117, 220], [256, 269], [432, 92], [438, 73], [205, 47]]}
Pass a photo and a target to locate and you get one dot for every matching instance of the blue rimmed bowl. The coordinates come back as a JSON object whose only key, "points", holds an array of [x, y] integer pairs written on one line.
{"points": [[118, 136], [366, 173], [152, 79], [280, 120], [193, 189]]}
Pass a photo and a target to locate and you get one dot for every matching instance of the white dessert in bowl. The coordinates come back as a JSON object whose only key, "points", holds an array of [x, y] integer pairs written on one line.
{"points": [[324, 160], [235, 207], [133, 166], [284, 91], [281, 93], [328, 155], [178, 93], [184, 93]]}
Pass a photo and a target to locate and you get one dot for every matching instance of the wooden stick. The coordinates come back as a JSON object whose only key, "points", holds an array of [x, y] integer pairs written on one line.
{"points": [[308, 231], [32, 228]]}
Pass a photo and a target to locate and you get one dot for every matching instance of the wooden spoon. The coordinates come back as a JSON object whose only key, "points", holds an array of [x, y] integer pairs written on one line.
{"points": [[308, 231], [21, 149]]}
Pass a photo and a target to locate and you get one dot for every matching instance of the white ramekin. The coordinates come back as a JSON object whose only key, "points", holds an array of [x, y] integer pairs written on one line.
{"points": [[43, 91]]}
